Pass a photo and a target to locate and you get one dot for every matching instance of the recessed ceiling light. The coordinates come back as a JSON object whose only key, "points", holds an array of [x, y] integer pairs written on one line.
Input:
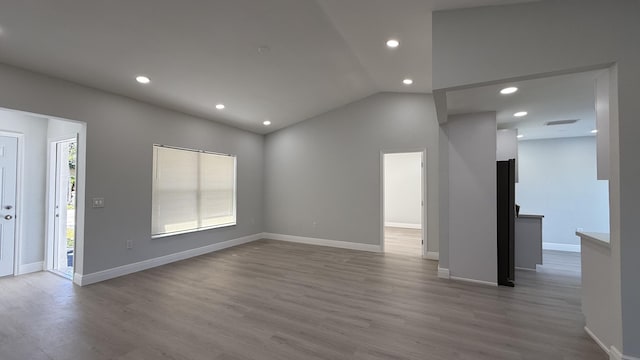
{"points": [[594, 131], [520, 136], [266, 123], [508, 90], [520, 114], [143, 79], [407, 81], [220, 106], [393, 43]]}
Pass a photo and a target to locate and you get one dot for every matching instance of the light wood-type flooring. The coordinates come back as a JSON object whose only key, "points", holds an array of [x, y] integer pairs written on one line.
{"points": [[403, 241], [278, 300]]}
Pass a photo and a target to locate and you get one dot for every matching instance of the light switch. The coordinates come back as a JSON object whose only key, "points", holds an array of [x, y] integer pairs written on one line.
{"points": [[98, 202]]}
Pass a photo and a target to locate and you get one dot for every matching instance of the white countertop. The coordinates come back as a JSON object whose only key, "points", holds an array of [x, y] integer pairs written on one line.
{"points": [[595, 237]]}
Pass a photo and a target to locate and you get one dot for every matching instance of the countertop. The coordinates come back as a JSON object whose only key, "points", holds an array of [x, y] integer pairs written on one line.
{"points": [[595, 237]]}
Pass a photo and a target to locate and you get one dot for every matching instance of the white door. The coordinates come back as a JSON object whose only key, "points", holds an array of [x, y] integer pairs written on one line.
{"points": [[8, 173]]}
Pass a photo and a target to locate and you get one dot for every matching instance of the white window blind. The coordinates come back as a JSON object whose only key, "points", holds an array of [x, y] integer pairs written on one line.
{"points": [[192, 190]]}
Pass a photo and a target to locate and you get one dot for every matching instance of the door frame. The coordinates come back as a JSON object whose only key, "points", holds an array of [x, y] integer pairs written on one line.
{"points": [[423, 183], [17, 241], [52, 161]]}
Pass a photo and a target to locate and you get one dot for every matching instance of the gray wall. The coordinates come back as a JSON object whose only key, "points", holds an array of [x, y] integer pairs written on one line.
{"points": [[558, 180], [477, 45], [327, 169], [472, 196], [120, 135], [35, 167]]}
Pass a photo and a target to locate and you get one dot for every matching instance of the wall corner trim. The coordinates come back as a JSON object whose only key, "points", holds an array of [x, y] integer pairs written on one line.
{"points": [[87, 279], [324, 242], [30, 268], [432, 255], [443, 273]]}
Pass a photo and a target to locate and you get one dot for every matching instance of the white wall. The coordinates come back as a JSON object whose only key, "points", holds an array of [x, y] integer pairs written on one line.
{"points": [[120, 135], [323, 179], [558, 180], [403, 190], [476, 46], [472, 196], [35, 162]]}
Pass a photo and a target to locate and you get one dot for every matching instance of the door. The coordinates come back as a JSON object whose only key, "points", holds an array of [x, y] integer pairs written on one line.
{"points": [[64, 207], [8, 183]]}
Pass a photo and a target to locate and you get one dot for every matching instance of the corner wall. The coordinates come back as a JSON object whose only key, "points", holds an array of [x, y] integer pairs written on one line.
{"points": [[323, 178], [472, 197]]}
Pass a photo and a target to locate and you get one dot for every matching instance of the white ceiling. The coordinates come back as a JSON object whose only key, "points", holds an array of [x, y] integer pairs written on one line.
{"points": [[555, 98], [321, 54]]}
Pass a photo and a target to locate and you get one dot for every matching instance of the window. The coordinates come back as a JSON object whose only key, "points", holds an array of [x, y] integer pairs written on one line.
{"points": [[192, 190]]}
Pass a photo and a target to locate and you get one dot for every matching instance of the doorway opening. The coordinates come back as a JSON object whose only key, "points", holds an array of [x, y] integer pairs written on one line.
{"points": [[62, 182], [403, 203]]}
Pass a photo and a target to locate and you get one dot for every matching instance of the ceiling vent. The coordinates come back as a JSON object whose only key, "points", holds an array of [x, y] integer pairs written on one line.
{"points": [[561, 122]]}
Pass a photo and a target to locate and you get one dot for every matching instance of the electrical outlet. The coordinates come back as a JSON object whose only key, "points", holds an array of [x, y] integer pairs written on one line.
{"points": [[129, 244], [98, 202], [314, 224]]}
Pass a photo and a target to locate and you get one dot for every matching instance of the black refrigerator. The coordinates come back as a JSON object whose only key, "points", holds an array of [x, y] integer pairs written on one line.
{"points": [[506, 171]]}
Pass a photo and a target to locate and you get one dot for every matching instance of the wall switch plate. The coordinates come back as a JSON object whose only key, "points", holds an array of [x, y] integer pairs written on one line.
{"points": [[98, 202], [129, 244]]}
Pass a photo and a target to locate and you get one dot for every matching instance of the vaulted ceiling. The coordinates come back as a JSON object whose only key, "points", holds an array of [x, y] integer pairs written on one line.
{"points": [[281, 60]]}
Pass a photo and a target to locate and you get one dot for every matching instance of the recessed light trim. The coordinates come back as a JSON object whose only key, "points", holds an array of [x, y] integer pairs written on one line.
{"points": [[521, 114], [393, 43], [594, 131], [508, 90], [407, 81], [520, 136], [266, 123], [142, 79], [220, 106]]}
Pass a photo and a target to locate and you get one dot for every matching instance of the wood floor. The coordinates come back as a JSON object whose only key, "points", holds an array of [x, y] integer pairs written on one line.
{"points": [[277, 300], [403, 241]]}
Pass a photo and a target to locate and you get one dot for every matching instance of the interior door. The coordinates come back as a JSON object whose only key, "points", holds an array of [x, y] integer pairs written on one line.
{"points": [[8, 182]]}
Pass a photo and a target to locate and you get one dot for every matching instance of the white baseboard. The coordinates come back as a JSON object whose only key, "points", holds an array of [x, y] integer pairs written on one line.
{"points": [[30, 268], [403, 225], [560, 247], [443, 273], [613, 352], [431, 255], [103, 275], [598, 341], [324, 242], [474, 281], [527, 269], [616, 354]]}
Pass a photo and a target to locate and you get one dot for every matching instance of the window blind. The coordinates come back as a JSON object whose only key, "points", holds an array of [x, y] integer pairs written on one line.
{"points": [[192, 190]]}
